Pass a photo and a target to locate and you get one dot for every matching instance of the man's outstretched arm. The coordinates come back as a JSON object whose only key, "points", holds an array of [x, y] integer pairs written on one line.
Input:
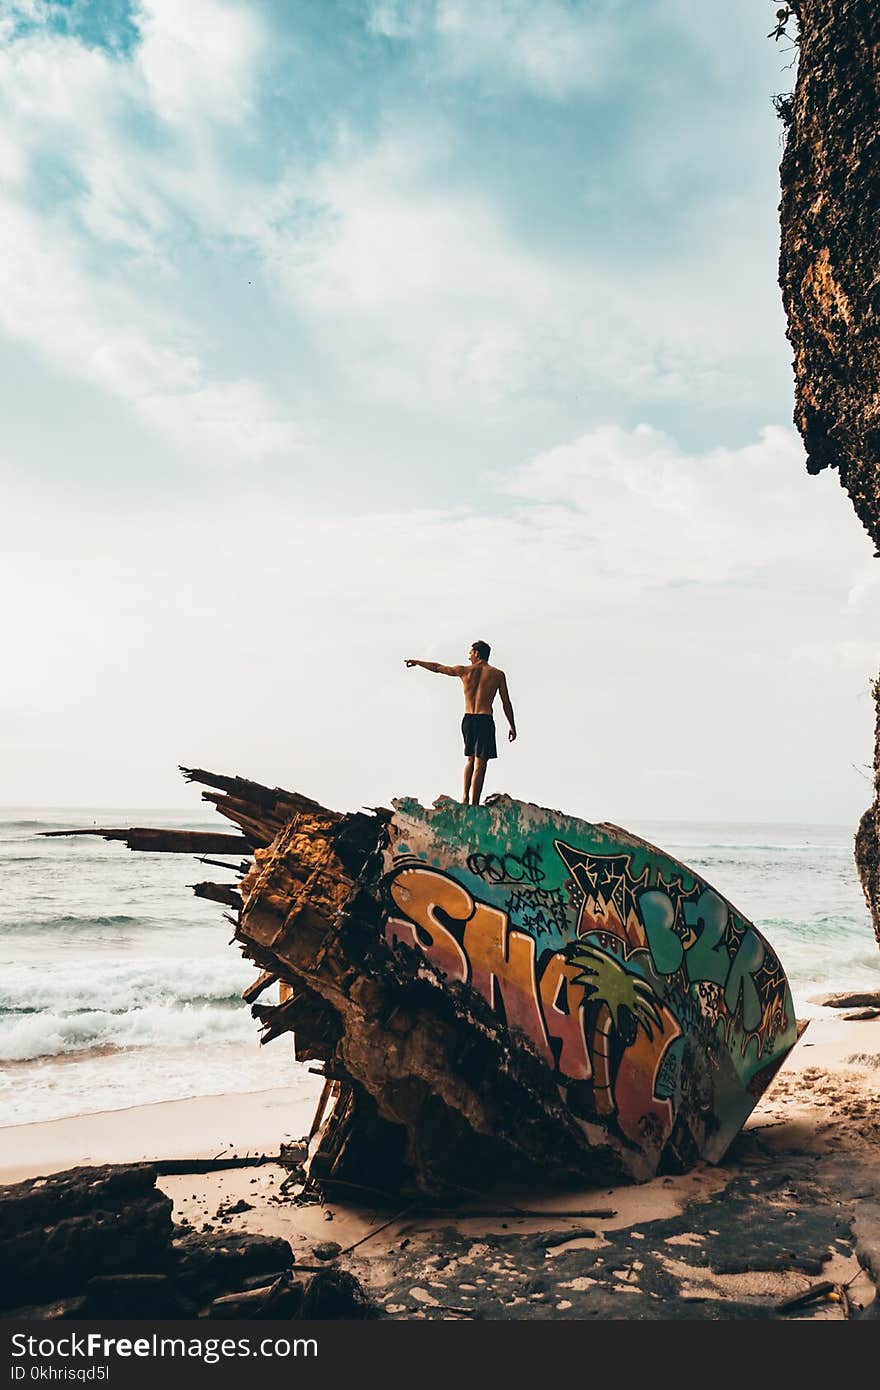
{"points": [[436, 667], [507, 707]]}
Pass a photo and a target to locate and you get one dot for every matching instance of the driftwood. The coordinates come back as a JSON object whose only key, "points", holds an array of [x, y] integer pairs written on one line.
{"points": [[155, 841], [172, 1167], [810, 1295], [217, 893]]}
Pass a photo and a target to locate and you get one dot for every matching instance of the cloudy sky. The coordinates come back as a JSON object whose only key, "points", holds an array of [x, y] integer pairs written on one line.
{"points": [[338, 331]]}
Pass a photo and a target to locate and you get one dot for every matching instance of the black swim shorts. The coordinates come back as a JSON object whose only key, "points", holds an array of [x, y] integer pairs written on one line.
{"points": [[479, 736]]}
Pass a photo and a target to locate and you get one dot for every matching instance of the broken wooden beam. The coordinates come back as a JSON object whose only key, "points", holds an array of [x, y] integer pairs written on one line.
{"points": [[153, 840], [263, 981], [217, 893]]}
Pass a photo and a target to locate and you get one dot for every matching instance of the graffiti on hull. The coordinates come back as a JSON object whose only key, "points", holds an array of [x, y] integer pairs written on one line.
{"points": [[660, 1009]]}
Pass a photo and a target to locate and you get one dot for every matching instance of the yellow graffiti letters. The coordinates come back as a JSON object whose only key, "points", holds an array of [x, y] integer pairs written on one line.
{"points": [[503, 968], [566, 1024], [421, 894]]}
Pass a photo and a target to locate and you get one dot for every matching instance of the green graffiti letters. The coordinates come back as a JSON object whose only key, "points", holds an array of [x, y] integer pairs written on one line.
{"points": [[658, 915], [707, 958], [745, 965]]}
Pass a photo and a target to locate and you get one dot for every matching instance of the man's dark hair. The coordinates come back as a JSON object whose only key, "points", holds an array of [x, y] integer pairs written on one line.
{"points": [[482, 650]]}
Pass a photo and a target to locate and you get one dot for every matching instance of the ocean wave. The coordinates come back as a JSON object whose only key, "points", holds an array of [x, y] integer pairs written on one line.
{"points": [[50, 1034], [71, 922], [74, 923], [116, 987], [32, 825]]}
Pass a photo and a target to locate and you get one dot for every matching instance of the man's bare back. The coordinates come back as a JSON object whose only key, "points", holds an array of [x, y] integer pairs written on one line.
{"points": [[481, 683]]}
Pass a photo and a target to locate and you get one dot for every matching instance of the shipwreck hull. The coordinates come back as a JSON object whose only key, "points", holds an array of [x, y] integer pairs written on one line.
{"points": [[661, 1011], [495, 993]]}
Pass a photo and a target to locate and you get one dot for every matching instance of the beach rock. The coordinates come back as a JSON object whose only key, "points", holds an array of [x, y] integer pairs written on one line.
{"points": [[58, 1232], [861, 1015], [860, 999], [45, 1200], [334, 1293], [326, 1250], [134, 1296], [206, 1265]]}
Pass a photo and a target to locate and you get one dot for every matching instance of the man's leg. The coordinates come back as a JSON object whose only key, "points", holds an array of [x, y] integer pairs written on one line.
{"points": [[468, 774], [479, 775]]}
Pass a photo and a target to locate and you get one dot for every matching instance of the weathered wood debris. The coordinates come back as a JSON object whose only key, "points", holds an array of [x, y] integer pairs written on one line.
{"points": [[499, 993], [100, 1243]]}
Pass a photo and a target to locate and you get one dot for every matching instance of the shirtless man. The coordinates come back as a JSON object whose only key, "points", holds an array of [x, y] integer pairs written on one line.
{"points": [[482, 683]]}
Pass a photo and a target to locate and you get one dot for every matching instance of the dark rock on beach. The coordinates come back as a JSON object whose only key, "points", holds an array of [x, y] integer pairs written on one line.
{"points": [[211, 1263], [100, 1243], [864, 999], [56, 1233]]}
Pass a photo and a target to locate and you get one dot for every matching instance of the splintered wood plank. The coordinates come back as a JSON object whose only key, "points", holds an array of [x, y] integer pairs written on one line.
{"points": [[217, 893], [154, 840], [263, 981]]}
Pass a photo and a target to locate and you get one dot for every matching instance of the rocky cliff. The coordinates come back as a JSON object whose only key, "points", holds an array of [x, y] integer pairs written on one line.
{"points": [[830, 278]]}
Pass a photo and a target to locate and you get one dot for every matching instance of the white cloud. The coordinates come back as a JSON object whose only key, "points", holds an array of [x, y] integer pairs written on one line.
{"points": [[649, 679], [547, 45], [421, 282], [62, 291], [199, 59], [99, 332], [385, 249], [408, 275], [727, 515]]}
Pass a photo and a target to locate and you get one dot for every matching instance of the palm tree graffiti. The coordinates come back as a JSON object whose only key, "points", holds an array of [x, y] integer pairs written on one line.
{"points": [[607, 982]]}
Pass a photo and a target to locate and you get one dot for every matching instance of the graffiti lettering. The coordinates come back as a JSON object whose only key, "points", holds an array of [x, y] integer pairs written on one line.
{"points": [[625, 970], [474, 943], [423, 927], [741, 982], [658, 915], [563, 1004], [508, 868], [706, 958], [503, 971], [540, 911], [603, 888]]}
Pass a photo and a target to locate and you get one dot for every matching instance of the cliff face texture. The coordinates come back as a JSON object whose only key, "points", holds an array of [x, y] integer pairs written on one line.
{"points": [[830, 278]]}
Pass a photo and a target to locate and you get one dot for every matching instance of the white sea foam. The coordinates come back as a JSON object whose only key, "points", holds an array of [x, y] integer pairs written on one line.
{"points": [[27, 1036], [98, 979]]}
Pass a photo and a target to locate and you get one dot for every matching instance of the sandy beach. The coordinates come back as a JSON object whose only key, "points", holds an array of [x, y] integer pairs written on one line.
{"points": [[794, 1198]]}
